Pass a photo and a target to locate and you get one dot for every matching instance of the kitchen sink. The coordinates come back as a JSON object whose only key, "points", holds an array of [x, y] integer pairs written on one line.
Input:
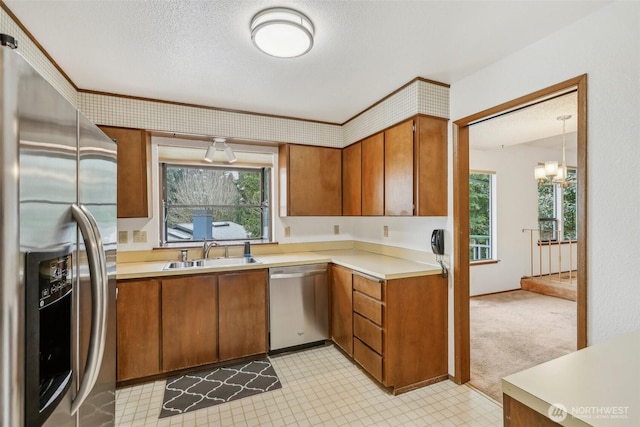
{"points": [[183, 264], [211, 262]]}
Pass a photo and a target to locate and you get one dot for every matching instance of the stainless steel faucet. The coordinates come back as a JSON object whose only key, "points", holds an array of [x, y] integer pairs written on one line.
{"points": [[206, 247]]}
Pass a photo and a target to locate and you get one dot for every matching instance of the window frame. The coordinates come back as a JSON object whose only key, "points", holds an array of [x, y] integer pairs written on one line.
{"points": [[266, 195], [492, 236], [558, 232]]}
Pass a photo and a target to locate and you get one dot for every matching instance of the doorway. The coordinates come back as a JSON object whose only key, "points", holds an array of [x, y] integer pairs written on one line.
{"points": [[461, 216]]}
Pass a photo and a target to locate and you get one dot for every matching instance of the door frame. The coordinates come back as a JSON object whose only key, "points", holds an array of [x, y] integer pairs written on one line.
{"points": [[461, 276]]}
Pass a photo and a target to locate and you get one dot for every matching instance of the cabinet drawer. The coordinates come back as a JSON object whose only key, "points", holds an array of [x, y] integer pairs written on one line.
{"points": [[368, 359], [370, 287], [368, 332], [368, 307]]}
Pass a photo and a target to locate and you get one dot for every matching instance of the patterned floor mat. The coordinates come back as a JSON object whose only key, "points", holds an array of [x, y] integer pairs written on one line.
{"points": [[202, 389]]}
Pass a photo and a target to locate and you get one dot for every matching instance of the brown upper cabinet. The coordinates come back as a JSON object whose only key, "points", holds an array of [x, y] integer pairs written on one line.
{"points": [[310, 180], [133, 170], [402, 170], [373, 175], [431, 166], [351, 180], [398, 169]]}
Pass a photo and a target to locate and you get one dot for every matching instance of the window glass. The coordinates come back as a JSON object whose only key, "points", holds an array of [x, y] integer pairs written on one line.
{"points": [[481, 216], [557, 209], [215, 203], [570, 207]]}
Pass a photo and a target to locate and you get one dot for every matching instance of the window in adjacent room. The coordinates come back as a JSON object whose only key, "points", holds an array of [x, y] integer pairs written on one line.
{"points": [[215, 202], [557, 210], [482, 216]]}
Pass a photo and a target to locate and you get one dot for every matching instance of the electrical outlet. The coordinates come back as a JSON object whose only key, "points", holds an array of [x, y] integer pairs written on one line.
{"points": [[139, 236], [336, 229], [385, 231], [287, 231], [123, 237]]}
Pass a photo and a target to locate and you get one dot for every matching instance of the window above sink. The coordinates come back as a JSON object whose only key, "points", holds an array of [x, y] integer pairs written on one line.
{"points": [[221, 203]]}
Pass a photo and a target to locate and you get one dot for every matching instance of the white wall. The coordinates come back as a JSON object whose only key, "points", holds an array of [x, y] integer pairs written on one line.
{"points": [[606, 46], [516, 209], [406, 232]]}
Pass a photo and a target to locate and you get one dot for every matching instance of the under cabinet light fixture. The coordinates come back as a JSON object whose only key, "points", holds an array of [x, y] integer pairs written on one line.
{"points": [[282, 32]]}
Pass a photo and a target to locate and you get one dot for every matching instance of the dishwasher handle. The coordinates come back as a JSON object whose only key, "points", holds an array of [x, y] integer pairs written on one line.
{"points": [[297, 275]]}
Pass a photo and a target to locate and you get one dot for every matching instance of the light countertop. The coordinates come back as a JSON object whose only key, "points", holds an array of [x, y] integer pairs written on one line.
{"points": [[380, 266], [598, 385]]}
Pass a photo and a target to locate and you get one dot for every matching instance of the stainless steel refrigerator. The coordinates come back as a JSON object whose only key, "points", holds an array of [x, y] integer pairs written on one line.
{"points": [[57, 257]]}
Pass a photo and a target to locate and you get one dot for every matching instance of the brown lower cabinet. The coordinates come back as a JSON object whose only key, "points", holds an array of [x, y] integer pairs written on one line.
{"points": [[189, 321], [138, 341], [341, 308], [172, 323], [517, 414], [400, 329], [243, 314]]}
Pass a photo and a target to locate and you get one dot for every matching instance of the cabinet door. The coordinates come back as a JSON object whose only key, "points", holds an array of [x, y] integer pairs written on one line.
{"points": [[431, 157], [189, 321], [342, 308], [133, 170], [351, 180], [415, 336], [373, 175], [398, 169], [138, 330], [243, 314], [311, 180]]}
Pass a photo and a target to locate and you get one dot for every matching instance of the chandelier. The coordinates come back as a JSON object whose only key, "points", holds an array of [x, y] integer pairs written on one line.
{"points": [[549, 173]]}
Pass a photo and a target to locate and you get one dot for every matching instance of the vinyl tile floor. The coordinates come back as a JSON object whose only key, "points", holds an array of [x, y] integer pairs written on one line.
{"points": [[320, 387]]}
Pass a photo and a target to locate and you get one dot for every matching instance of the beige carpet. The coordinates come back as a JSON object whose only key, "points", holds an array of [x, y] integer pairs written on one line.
{"points": [[513, 331]]}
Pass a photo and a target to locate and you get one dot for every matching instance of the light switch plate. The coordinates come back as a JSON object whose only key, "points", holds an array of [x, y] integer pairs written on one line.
{"points": [[336, 229], [287, 231], [139, 236], [385, 231], [123, 237]]}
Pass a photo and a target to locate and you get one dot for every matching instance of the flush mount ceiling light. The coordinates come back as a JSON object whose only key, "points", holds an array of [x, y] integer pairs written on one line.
{"points": [[282, 32]]}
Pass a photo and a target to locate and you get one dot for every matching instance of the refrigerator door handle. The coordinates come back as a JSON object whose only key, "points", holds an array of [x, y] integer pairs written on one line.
{"points": [[99, 300]]}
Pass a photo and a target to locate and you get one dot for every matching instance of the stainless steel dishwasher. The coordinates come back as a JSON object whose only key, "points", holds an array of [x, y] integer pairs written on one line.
{"points": [[298, 306]]}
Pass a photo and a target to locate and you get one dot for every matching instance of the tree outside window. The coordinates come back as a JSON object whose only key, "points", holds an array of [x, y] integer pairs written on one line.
{"points": [[557, 210], [480, 216], [204, 203]]}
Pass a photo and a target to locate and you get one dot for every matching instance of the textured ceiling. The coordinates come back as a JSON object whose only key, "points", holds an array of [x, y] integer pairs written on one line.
{"points": [[200, 52]]}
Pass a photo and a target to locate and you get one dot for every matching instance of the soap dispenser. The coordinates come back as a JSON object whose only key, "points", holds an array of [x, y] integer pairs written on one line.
{"points": [[247, 250]]}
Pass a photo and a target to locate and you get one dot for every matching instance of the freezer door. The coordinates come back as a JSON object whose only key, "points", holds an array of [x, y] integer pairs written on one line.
{"points": [[47, 135], [97, 170]]}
